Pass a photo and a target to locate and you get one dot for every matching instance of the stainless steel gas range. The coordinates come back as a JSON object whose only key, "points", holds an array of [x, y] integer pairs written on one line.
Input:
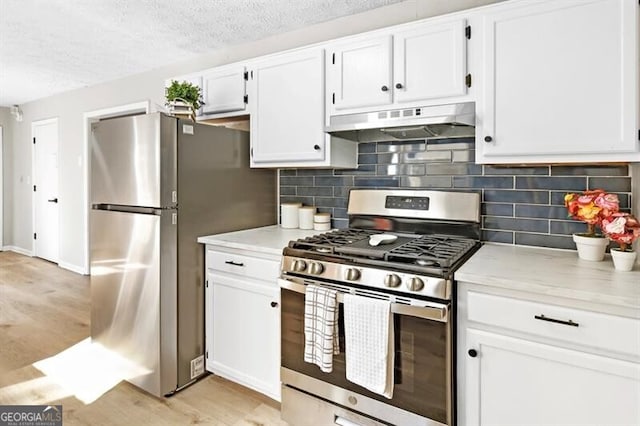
{"points": [[402, 246]]}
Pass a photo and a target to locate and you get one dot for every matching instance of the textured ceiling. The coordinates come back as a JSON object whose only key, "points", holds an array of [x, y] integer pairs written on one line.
{"points": [[51, 46]]}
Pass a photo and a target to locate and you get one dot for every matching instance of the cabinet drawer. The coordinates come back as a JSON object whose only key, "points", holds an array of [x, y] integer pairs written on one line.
{"points": [[607, 332], [242, 265]]}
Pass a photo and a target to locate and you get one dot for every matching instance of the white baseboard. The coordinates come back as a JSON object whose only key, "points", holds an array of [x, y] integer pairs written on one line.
{"points": [[18, 250], [73, 268]]}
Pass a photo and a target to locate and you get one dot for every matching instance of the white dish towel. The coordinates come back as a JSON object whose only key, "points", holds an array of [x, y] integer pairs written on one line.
{"points": [[321, 327], [369, 344]]}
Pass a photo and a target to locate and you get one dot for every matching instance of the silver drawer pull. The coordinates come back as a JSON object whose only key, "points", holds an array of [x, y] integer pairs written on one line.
{"points": [[557, 321], [231, 262]]}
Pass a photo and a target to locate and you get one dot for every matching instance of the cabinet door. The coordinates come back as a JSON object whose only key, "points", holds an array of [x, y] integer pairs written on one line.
{"points": [[245, 339], [430, 62], [517, 382], [287, 116], [560, 82], [361, 74], [224, 90]]}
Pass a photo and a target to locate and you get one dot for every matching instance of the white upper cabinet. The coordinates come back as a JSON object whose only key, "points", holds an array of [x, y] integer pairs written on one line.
{"points": [[559, 82], [418, 64], [287, 114], [224, 89]]}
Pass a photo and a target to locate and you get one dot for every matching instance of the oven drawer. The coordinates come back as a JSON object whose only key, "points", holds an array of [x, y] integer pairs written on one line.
{"points": [[602, 331], [243, 265]]}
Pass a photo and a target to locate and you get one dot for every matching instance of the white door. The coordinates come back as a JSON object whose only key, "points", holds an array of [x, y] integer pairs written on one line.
{"points": [[1, 194], [224, 90], [360, 74], [515, 382], [45, 187], [430, 62]]}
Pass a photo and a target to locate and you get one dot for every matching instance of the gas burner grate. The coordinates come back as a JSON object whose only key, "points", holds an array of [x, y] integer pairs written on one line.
{"points": [[327, 242], [443, 250]]}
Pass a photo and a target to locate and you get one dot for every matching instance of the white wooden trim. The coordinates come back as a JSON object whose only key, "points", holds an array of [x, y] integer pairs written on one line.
{"points": [[73, 268], [88, 118], [35, 124], [1, 189], [18, 250]]}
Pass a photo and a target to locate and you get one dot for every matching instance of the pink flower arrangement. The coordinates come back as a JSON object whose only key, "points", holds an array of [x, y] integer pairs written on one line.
{"points": [[622, 228], [591, 207]]}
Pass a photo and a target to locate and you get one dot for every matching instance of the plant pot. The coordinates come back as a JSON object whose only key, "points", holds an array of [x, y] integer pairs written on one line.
{"points": [[623, 260], [591, 248]]}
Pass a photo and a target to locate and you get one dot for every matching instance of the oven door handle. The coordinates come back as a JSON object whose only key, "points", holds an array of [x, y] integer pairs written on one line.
{"points": [[427, 310]]}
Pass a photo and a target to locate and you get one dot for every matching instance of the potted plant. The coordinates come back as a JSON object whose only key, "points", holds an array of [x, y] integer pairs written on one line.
{"points": [[183, 98], [624, 229], [591, 207]]}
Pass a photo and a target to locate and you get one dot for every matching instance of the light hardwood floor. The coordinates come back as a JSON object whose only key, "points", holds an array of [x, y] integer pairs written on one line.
{"points": [[45, 309]]}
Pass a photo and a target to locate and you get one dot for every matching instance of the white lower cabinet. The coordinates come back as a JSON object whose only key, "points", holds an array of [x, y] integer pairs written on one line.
{"points": [[243, 320], [511, 373]]}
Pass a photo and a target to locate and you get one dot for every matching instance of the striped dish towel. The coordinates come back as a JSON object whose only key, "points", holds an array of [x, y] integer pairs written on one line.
{"points": [[320, 327]]}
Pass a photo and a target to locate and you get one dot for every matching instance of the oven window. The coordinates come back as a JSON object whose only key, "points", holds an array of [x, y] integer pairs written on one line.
{"points": [[420, 371]]}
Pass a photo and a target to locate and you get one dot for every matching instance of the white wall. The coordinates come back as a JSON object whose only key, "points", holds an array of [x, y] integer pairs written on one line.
{"points": [[6, 121], [69, 108]]}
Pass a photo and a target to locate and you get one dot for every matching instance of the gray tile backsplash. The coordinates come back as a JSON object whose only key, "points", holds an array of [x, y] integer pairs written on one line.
{"points": [[521, 205]]}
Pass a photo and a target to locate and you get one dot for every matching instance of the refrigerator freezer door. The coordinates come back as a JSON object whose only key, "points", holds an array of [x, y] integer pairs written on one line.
{"points": [[133, 161], [133, 292]]}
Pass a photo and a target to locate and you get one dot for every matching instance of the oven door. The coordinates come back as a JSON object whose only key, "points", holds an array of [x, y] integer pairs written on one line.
{"points": [[422, 371]]}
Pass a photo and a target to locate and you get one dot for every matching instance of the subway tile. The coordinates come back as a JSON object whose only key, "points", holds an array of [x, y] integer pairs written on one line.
{"points": [[341, 191], [325, 191], [288, 190], [466, 156], [288, 172], [389, 158], [497, 209], [366, 147], [331, 202], [334, 181], [557, 198], [401, 146], [529, 197], [307, 201], [454, 169], [363, 169], [503, 223], [367, 158], [610, 184], [427, 156], [541, 240], [315, 172], [567, 227], [568, 183], [537, 211], [380, 182], [296, 180], [401, 169], [497, 236], [503, 182], [425, 181], [515, 170], [450, 144], [590, 170], [340, 213], [340, 223], [325, 210]]}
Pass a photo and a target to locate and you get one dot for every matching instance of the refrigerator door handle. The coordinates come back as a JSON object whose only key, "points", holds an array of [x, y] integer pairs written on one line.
{"points": [[127, 209]]}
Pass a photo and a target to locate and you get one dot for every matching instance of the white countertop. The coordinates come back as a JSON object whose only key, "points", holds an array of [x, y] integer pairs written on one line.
{"points": [[268, 239], [558, 273]]}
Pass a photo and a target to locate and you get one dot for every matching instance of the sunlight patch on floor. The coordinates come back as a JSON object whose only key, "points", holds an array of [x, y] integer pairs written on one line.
{"points": [[87, 370]]}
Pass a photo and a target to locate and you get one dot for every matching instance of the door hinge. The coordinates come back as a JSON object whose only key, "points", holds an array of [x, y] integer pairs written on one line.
{"points": [[34, 188], [35, 236], [206, 283], [467, 32], [333, 98], [333, 58], [639, 129], [206, 354], [246, 99], [251, 74], [251, 152], [467, 80], [34, 140], [246, 75]]}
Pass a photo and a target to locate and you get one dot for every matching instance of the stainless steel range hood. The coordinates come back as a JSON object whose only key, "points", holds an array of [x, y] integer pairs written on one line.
{"points": [[436, 121]]}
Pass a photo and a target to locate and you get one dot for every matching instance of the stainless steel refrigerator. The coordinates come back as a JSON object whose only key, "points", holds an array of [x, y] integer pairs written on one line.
{"points": [[157, 183]]}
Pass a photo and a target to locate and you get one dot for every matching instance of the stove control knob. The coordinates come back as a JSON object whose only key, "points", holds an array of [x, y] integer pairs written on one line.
{"points": [[316, 268], [299, 265], [352, 274], [415, 284], [392, 280]]}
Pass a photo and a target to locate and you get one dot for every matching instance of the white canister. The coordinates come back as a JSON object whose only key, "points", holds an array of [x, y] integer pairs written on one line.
{"points": [[289, 215], [305, 217], [322, 226], [322, 218]]}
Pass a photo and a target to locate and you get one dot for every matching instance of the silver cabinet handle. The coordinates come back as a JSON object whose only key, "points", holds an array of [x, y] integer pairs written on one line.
{"points": [[557, 321]]}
